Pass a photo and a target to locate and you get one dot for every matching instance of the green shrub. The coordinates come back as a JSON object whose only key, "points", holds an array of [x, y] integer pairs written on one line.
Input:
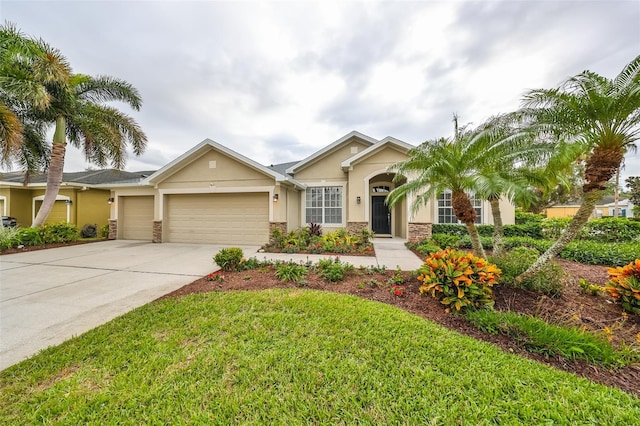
{"points": [[552, 228], [104, 231], [523, 217], [31, 236], [59, 232], [446, 240], [547, 339], [532, 229], [624, 286], [253, 263], [9, 237], [291, 272], [514, 262], [465, 242], [611, 230], [449, 229], [427, 247], [513, 242], [593, 253], [333, 269], [458, 279], [229, 259]]}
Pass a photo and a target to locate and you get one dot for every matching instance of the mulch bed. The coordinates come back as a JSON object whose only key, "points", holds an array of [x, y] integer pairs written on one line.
{"points": [[46, 246], [573, 307]]}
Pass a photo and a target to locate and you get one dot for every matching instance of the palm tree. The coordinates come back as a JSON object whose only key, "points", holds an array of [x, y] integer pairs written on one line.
{"points": [[453, 164], [600, 116], [101, 131], [40, 91], [26, 66]]}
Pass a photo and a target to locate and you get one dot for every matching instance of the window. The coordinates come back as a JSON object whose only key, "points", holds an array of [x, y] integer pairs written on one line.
{"points": [[324, 205], [445, 210]]}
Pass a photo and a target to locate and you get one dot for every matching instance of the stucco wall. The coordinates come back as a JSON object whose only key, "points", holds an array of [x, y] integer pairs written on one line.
{"points": [[92, 207], [215, 169], [328, 167]]}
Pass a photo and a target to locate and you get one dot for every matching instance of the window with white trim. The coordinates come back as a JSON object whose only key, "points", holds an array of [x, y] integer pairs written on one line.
{"points": [[324, 205], [445, 209]]}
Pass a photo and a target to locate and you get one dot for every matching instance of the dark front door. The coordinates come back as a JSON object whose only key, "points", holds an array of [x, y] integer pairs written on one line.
{"points": [[380, 216]]}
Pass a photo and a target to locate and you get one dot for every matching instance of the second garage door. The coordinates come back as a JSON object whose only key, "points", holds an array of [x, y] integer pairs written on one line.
{"points": [[217, 218], [137, 218]]}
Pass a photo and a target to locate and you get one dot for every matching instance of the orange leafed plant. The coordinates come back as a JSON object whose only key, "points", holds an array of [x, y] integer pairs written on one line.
{"points": [[624, 286], [459, 279]]}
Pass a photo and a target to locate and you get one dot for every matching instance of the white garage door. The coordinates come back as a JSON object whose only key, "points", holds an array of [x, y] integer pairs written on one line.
{"points": [[217, 218], [136, 218]]}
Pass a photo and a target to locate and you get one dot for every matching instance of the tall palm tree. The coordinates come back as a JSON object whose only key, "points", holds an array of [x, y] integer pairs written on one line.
{"points": [[26, 66], [453, 164], [38, 91], [600, 116], [101, 131]]}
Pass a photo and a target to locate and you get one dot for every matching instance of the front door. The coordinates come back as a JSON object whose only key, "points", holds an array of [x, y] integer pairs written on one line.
{"points": [[380, 216]]}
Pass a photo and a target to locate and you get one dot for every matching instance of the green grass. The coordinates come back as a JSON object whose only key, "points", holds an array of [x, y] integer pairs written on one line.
{"points": [[550, 340], [293, 357]]}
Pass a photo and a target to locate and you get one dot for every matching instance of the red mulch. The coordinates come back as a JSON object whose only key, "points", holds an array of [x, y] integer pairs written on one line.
{"points": [[573, 307]]}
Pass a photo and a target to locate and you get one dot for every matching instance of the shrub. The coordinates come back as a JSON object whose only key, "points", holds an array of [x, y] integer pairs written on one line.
{"points": [[30, 236], [458, 279], [9, 237], [104, 231], [446, 240], [315, 230], [229, 259], [449, 229], [291, 272], [594, 253], [514, 262], [465, 242], [552, 228], [513, 242], [427, 247], [523, 217], [252, 263], [333, 269], [611, 230], [624, 286], [59, 232]]}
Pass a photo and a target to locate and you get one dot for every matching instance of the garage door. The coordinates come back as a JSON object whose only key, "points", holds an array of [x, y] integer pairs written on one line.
{"points": [[217, 218], [136, 218]]}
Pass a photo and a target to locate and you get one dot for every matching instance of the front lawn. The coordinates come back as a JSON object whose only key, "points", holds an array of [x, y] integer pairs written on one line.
{"points": [[293, 356]]}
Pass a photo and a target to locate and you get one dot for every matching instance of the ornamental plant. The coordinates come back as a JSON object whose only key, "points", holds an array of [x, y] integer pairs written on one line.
{"points": [[216, 276], [624, 286], [229, 259], [460, 280]]}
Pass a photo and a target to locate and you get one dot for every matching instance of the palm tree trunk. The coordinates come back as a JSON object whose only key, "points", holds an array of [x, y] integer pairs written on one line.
{"points": [[498, 228], [616, 194], [54, 174], [476, 244], [581, 217]]}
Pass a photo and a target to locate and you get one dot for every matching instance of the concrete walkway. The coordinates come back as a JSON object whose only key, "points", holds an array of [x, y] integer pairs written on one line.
{"points": [[390, 252]]}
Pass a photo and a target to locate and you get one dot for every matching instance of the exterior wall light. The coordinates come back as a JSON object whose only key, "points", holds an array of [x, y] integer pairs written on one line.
{"points": [[276, 197], [110, 200], [68, 202], [358, 199]]}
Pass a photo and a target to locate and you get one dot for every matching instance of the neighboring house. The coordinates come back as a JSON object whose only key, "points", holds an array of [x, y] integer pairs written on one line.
{"points": [[604, 208], [212, 194], [82, 199]]}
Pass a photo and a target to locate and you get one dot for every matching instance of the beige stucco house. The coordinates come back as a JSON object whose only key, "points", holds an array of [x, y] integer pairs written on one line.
{"points": [[212, 194]]}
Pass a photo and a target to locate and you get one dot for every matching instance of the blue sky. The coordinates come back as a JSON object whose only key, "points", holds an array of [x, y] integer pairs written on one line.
{"points": [[276, 81]]}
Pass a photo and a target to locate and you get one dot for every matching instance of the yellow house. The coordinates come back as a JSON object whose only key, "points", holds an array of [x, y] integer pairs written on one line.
{"points": [[83, 197], [212, 194]]}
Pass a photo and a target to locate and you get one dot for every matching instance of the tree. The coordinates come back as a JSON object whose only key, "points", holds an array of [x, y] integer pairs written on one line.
{"points": [[600, 116], [633, 182], [454, 164], [26, 66], [77, 109]]}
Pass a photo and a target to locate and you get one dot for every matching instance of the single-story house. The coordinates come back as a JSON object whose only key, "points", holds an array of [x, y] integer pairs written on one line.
{"points": [[83, 197], [212, 194]]}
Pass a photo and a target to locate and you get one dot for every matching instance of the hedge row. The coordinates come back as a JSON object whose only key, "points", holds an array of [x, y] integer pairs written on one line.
{"points": [[605, 230], [587, 252], [48, 233]]}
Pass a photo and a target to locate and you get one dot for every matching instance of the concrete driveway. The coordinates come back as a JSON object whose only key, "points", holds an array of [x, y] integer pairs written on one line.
{"points": [[49, 296]]}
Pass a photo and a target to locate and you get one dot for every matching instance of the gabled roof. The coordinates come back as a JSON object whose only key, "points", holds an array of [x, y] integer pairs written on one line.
{"points": [[282, 167], [299, 166], [202, 147], [388, 141]]}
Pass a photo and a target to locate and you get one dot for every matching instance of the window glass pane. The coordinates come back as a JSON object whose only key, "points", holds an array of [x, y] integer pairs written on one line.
{"points": [[324, 205]]}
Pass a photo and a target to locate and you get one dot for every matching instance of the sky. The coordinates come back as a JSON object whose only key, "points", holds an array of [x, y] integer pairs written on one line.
{"points": [[276, 81]]}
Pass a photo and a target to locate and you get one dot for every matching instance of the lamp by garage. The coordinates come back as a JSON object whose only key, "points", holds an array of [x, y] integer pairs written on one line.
{"points": [[358, 199], [68, 202], [276, 197], [110, 200]]}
